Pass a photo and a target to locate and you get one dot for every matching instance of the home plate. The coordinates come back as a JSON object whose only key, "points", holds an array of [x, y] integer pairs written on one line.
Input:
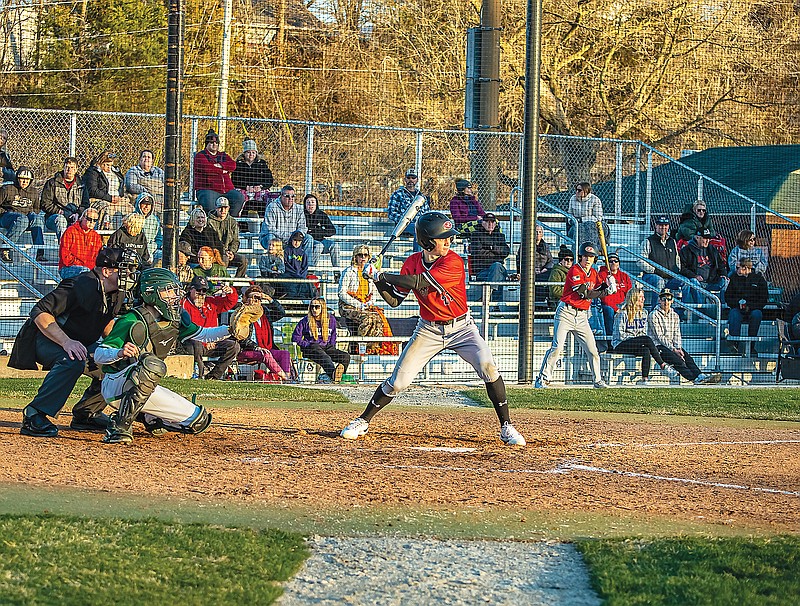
{"points": [[442, 449]]}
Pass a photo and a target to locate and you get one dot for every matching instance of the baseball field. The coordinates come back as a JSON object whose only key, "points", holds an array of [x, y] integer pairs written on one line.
{"points": [[671, 495]]}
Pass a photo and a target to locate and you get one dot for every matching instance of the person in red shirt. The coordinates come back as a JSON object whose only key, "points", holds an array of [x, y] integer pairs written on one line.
{"points": [[204, 311], [436, 275], [611, 302], [79, 245], [572, 315], [212, 177]]}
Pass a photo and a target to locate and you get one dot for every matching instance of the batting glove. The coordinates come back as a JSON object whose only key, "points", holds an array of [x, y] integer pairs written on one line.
{"points": [[370, 272], [611, 282]]}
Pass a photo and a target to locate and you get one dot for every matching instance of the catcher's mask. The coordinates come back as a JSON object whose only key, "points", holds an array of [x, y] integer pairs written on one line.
{"points": [[161, 288]]}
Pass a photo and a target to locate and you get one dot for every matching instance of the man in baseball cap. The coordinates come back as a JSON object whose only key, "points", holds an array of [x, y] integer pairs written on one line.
{"points": [[702, 264], [661, 250], [404, 197]]}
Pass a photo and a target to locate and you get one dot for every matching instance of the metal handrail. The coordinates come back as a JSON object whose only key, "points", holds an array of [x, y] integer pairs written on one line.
{"points": [[10, 269]]}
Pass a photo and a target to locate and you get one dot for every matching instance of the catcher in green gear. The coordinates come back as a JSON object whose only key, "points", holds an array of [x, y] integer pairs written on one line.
{"points": [[133, 355]]}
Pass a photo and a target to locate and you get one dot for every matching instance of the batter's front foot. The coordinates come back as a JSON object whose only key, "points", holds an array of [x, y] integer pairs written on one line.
{"points": [[511, 436], [355, 429], [541, 383]]}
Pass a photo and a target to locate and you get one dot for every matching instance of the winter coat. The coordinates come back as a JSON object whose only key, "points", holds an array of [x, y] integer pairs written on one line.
{"points": [[5, 163], [122, 239], [15, 199], [78, 247], [246, 175], [465, 208], [227, 230], [486, 248], [319, 224], [57, 199], [752, 288], [693, 259], [559, 275], [152, 229], [349, 283], [95, 185], [208, 176], [271, 266], [198, 239], [690, 224], [208, 315]]}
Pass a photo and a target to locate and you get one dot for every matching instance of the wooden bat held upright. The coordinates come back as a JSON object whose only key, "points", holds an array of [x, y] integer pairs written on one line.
{"points": [[601, 234]]}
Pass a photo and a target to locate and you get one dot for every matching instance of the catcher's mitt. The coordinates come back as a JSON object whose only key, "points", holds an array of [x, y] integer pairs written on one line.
{"points": [[243, 318]]}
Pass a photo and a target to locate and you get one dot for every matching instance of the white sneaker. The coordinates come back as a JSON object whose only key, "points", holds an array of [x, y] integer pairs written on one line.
{"points": [[670, 371], [643, 383], [355, 429], [541, 383], [511, 436], [600, 384]]}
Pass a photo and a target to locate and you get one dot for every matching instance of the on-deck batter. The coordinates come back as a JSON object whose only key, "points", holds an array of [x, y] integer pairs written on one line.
{"points": [[436, 275]]}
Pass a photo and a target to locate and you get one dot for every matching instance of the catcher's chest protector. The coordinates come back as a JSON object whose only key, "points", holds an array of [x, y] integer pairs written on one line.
{"points": [[159, 337]]}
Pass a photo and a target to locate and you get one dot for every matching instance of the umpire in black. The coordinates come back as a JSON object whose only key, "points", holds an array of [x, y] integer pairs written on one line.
{"points": [[61, 334]]}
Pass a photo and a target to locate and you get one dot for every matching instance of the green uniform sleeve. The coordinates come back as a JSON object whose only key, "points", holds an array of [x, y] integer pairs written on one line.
{"points": [[188, 329], [121, 333]]}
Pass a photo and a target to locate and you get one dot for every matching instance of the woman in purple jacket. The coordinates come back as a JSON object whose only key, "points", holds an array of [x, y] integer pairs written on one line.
{"points": [[316, 336]]}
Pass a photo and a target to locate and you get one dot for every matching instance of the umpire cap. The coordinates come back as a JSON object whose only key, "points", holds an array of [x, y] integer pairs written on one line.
{"points": [[109, 257]]}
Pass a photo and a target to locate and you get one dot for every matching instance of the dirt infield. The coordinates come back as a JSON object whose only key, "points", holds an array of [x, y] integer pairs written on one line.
{"points": [[736, 473]]}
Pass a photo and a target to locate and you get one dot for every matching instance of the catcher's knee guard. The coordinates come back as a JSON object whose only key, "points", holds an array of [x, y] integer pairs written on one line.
{"points": [[139, 386]]}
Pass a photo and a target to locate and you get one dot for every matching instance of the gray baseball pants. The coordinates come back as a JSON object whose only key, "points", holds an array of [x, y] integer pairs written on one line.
{"points": [[570, 319]]}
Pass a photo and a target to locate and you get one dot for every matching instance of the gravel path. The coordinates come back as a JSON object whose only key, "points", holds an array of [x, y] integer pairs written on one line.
{"points": [[387, 571]]}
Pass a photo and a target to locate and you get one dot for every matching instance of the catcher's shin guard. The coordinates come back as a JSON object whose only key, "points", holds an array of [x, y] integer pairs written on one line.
{"points": [[139, 386]]}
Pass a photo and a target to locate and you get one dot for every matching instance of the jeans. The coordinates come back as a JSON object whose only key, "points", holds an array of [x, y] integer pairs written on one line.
{"points": [[57, 224], [659, 283], [736, 317], [18, 223], [608, 318], [208, 200], [644, 347], [691, 296], [496, 272], [325, 246], [685, 366], [70, 271]]}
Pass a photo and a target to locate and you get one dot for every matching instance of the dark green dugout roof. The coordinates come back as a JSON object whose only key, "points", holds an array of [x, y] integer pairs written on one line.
{"points": [[770, 175]]}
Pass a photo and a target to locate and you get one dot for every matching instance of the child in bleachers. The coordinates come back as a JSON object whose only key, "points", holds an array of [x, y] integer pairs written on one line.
{"points": [[296, 261]]}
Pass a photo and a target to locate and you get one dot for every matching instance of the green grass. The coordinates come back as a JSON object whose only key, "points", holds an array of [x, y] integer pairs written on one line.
{"points": [[697, 571], [777, 404], [67, 560]]}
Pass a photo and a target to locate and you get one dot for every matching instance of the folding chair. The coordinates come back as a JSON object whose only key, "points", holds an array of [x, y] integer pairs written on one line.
{"points": [[788, 365]]}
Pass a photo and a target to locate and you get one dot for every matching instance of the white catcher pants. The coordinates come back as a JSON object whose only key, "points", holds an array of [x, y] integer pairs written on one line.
{"points": [[570, 319], [429, 339], [174, 410]]}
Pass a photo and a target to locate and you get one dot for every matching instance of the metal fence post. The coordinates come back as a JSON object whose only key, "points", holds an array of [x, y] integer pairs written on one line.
{"points": [[648, 187], [309, 159], [637, 193], [418, 157], [192, 151], [618, 183], [73, 132], [753, 217], [700, 188]]}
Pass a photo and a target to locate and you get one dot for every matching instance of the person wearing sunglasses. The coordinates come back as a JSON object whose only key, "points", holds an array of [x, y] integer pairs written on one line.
{"points": [[204, 311], [79, 245], [283, 218], [746, 249], [694, 218], [315, 334], [612, 303]]}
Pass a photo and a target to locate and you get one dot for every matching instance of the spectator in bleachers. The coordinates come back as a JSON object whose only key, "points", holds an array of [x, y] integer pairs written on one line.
{"points": [[5, 160], [130, 235], [611, 303], [227, 229], [212, 176], [746, 295], [296, 262], [19, 204], [315, 334], [145, 206], [259, 347], [664, 327], [746, 249], [543, 263], [566, 259], [61, 198], [587, 209], [703, 266], [357, 296], [488, 250], [198, 234], [204, 310], [284, 218], [662, 249], [252, 177], [271, 263], [148, 178], [402, 198], [184, 271], [78, 248], [104, 189], [321, 229], [209, 265], [630, 335], [694, 218], [465, 206]]}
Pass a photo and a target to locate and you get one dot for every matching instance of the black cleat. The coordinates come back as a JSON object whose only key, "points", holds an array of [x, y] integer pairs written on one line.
{"points": [[83, 422]]}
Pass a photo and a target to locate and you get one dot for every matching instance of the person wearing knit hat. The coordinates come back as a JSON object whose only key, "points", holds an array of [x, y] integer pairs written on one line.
{"points": [[252, 178], [465, 207], [212, 176]]}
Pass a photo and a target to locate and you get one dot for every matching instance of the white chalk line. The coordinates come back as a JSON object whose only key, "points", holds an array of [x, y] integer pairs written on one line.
{"points": [[683, 444]]}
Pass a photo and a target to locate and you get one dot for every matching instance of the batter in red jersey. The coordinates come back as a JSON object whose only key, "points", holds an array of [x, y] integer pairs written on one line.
{"points": [[436, 275]]}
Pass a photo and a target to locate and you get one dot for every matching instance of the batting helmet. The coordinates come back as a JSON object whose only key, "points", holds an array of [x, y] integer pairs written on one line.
{"points": [[587, 250], [161, 288], [432, 226]]}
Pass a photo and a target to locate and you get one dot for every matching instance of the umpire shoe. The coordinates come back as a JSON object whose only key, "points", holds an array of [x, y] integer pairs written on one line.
{"points": [[37, 424], [511, 436], [355, 429], [600, 384], [89, 422]]}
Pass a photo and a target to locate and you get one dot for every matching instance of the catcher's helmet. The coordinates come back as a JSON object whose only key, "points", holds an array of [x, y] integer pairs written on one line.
{"points": [[587, 250], [161, 288], [432, 226]]}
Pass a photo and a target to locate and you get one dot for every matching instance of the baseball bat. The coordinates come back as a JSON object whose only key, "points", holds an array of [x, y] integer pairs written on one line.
{"points": [[601, 234], [404, 222]]}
